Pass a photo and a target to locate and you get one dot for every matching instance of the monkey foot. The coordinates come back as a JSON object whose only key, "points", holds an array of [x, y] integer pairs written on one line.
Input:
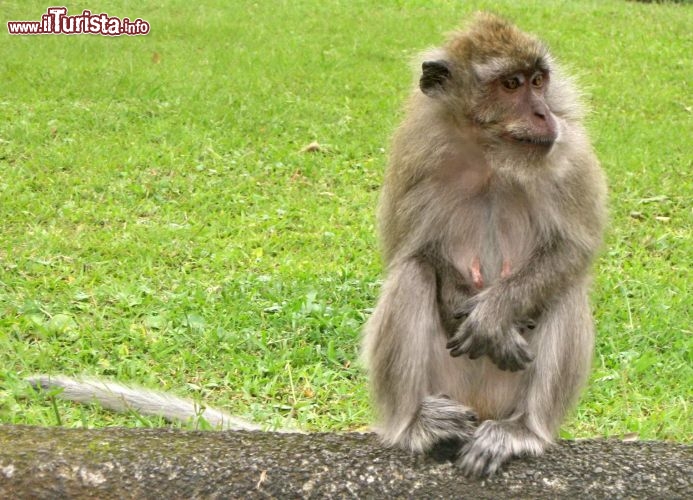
{"points": [[440, 419], [493, 444]]}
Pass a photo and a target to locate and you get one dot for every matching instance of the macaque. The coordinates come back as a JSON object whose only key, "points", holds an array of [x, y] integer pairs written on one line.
{"points": [[491, 213]]}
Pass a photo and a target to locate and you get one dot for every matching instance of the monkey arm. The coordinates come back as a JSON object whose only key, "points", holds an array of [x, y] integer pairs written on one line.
{"points": [[554, 263], [564, 250]]}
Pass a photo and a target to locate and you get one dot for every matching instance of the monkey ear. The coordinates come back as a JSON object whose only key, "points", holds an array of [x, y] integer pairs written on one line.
{"points": [[433, 76]]}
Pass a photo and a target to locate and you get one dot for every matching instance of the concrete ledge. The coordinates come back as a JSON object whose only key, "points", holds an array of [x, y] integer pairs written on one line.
{"points": [[40, 462]]}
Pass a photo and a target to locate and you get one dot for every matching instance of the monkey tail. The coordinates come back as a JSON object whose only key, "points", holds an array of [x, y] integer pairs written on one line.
{"points": [[121, 398]]}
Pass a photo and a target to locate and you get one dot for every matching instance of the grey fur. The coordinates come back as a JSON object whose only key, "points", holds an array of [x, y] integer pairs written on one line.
{"points": [[122, 398], [516, 350]]}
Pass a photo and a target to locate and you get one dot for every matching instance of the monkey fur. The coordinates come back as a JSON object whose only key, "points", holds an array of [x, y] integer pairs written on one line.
{"points": [[491, 213]]}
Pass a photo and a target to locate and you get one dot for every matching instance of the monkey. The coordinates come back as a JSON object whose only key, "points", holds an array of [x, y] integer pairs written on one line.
{"points": [[492, 210]]}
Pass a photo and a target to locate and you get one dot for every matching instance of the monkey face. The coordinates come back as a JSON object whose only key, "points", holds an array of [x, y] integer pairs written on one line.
{"points": [[508, 104], [524, 116]]}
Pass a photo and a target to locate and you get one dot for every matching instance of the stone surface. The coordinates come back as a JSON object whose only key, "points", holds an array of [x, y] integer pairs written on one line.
{"points": [[148, 463]]}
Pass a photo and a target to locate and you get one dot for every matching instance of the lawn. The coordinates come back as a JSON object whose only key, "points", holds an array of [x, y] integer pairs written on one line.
{"points": [[162, 225]]}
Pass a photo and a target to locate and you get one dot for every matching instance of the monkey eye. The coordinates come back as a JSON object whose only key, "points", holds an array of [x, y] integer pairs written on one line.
{"points": [[538, 80], [512, 83]]}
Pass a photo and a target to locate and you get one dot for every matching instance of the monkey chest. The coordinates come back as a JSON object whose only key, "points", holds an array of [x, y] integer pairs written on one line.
{"points": [[489, 238]]}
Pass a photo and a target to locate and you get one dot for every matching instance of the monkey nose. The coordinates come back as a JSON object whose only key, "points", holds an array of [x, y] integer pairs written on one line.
{"points": [[539, 109]]}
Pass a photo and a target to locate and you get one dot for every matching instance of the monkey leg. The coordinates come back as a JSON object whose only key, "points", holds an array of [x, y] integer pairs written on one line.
{"points": [[404, 349], [563, 340]]}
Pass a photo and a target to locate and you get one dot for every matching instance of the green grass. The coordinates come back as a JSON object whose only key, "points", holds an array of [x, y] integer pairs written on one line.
{"points": [[160, 225]]}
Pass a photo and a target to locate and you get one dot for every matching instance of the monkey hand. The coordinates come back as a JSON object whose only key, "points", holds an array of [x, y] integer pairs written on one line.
{"points": [[483, 332]]}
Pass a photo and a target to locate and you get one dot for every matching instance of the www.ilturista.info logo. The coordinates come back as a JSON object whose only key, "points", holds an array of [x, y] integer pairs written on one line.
{"points": [[57, 22]]}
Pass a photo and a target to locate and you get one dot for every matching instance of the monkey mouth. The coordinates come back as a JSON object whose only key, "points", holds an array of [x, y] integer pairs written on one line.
{"points": [[542, 142]]}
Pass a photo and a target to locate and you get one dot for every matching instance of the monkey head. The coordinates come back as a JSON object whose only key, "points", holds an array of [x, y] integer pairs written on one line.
{"points": [[496, 78]]}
